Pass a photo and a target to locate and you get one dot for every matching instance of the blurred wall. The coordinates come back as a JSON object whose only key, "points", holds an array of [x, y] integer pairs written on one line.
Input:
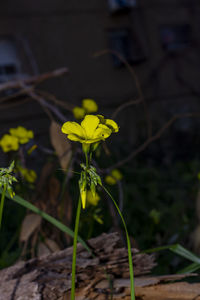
{"points": [[69, 33]]}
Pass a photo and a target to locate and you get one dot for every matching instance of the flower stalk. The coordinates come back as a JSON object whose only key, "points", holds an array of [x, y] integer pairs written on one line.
{"points": [[92, 130], [73, 280], [2, 203]]}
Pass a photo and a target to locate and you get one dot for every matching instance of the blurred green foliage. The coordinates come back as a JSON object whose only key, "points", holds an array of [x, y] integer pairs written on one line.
{"points": [[158, 206]]}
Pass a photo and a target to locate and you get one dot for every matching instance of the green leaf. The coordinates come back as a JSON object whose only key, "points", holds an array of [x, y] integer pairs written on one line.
{"points": [[190, 269], [180, 250], [47, 217]]}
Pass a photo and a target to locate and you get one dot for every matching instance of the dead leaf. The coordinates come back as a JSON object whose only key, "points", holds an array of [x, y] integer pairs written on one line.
{"points": [[54, 190], [61, 145], [65, 213], [42, 250], [196, 239], [52, 245], [46, 172], [30, 223]]}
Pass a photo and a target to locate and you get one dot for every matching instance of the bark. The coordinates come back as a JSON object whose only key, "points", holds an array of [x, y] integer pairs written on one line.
{"points": [[105, 276]]}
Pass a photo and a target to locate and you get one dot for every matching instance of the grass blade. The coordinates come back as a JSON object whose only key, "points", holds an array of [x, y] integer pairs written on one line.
{"points": [[180, 250], [190, 269], [47, 217], [130, 260]]}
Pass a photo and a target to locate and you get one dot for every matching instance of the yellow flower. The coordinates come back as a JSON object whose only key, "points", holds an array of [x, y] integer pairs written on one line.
{"points": [[89, 105], [110, 180], [109, 123], [90, 131], [22, 134], [9, 143], [91, 199], [114, 176], [28, 174], [78, 112]]}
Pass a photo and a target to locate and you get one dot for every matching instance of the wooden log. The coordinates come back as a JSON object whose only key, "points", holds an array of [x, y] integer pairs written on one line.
{"points": [[99, 277]]}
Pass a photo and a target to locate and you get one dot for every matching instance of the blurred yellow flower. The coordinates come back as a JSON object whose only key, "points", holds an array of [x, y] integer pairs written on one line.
{"points": [[79, 112], [91, 199], [110, 180], [9, 143], [22, 134], [155, 215], [90, 131], [114, 176], [89, 105], [28, 174]]}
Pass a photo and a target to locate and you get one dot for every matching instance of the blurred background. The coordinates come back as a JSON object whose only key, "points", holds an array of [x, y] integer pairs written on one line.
{"points": [[139, 60]]}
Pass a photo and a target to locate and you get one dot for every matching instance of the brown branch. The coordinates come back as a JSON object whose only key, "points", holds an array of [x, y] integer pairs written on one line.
{"points": [[125, 105], [14, 95], [48, 108], [33, 80], [151, 139], [15, 103], [58, 102], [138, 87]]}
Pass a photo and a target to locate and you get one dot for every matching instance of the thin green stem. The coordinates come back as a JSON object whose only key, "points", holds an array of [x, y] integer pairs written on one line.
{"points": [[2, 203], [130, 260], [86, 160], [78, 212]]}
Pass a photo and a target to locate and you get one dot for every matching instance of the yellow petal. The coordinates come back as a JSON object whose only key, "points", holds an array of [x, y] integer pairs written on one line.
{"points": [[110, 180], [102, 132], [102, 119], [91, 199], [116, 174], [78, 112], [83, 198], [75, 138], [112, 125], [73, 128], [89, 124], [89, 105]]}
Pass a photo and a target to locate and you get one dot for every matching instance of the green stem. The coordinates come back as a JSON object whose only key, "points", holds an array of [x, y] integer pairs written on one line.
{"points": [[78, 212], [86, 160], [130, 260], [2, 202]]}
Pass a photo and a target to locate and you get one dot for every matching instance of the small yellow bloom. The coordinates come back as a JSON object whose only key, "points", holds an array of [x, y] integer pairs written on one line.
{"points": [[114, 176], [22, 134], [89, 105], [83, 197], [91, 199], [90, 131], [9, 143], [110, 180], [79, 112], [28, 174]]}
